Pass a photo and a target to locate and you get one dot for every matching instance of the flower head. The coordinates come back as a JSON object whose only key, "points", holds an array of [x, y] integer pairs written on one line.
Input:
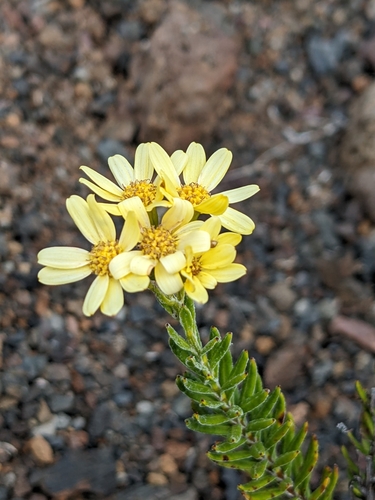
{"points": [[161, 248], [200, 178], [130, 182], [204, 270], [70, 264]]}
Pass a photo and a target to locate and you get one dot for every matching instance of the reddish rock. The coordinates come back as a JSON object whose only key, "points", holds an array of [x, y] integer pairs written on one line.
{"points": [[182, 77]]}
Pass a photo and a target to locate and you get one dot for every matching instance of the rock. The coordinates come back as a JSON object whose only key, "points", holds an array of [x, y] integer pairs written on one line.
{"points": [[282, 296], [7, 451], [156, 479], [47, 428], [284, 367], [354, 329], [40, 450], [61, 402], [143, 492], [181, 78], [100, 420], [56, 372], [92, 471], [325, 54]]}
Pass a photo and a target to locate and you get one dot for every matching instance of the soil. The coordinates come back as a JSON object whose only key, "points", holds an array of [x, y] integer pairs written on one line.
{"points": [[89, 408]]}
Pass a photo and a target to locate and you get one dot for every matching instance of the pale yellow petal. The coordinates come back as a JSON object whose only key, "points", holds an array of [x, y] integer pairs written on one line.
{"points": [[121, 169], [214, 205], [180, 213], [142, 265], [196, 291], [79, 211], [168, 283], [162, 163], [173, 263], [220, 256], [179, 160], [95, 295], [102, 220], [229, 273], [135, 205], [237, 221], [199, 241], [133, 283], [187, 228], [196, 162], [212, 226], [114, 298], [241, 193], [207, 280], [63, 257], [52, 276], [215, 169], [111, 208], [106, 195], [143, 169], [130, 233], [120, 265], [102, 181], [229, 239]]}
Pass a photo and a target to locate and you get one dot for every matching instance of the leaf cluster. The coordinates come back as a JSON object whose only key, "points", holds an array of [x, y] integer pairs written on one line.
{"points": [[258, 436], [362, 478]]}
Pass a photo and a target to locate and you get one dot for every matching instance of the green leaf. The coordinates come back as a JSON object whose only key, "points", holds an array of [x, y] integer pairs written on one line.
{"points": [[180, 354], [333, 476], [248, 387], [363, 446], [279, 409], [212, 419], [235, 433], [218, 430], [240, 366], [362, 393], [254, 401], [235, 411], [214, 404], [216, 354], [270, 493], [225, 367], [177, 339], [267, 406], [233, 382], [210, 345], [195, 366], [256, 451], [188, 324], [278, 434], [352, 466], [317, 494], [296, 442], [257, 469], [214, 332], [309, 462], [197, 387], [368, 423], [185, 386], [285, 459], [257, 484], [259, 424], [226, 446]]}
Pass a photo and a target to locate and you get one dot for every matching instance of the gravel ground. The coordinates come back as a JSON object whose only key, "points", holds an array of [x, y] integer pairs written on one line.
{"points": [[89, 408]]}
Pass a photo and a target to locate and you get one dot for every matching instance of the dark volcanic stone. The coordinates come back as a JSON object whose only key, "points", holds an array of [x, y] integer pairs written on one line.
{"points": [[93, 471]]}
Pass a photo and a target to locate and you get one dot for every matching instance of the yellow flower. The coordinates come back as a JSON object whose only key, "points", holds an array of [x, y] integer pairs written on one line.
{"points": [[131, 182], [204, 270], [200, 178], [161, 249], [70, 264]]}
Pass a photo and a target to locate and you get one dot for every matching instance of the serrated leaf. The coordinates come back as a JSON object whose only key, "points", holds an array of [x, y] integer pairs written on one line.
{"points": [[267, 406], [259, 424], [219, 350], [226, 446], [269, 493], [248, 387], [216, 430], [309, 462], [285, 459], [254, 401], [212, 419], [257, 484], [278, 434]]}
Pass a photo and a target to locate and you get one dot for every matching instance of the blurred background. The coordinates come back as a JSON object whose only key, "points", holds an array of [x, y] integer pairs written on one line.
{"points": [[89, 408]]}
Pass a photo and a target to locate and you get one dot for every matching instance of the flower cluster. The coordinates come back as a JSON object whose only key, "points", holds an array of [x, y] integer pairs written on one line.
{"points": [[162, 238]]}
